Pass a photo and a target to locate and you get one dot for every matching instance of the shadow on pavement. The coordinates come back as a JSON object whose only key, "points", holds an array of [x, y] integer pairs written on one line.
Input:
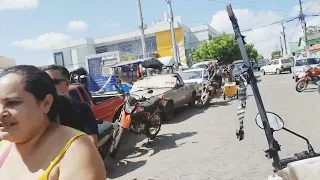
{"points": [[125, 164], [220, 103], [311, 90], [118, 167], [163, 142], [184, 113]]}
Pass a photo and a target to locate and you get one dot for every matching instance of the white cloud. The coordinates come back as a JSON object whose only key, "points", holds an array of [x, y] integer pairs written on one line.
{"points": [[43, 42], [18, 4], [113, 24], [265, 39], [77, 26]]}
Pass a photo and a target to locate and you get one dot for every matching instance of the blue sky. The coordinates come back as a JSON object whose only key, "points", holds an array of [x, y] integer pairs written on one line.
{"points": [[107, 17]]}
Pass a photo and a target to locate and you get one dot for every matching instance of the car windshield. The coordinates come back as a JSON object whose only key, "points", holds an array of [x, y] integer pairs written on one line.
{"points": [[202, 66], [286, 61], [191, 75], [303, 62], [238, 66]]}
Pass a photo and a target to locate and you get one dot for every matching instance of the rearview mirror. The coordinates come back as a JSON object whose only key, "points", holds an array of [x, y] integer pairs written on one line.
{"points": [[275, 121], [150, 91]]}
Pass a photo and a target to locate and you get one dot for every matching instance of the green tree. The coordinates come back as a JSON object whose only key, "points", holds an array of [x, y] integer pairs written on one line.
{"points": [[275, 53], [223, 48], [251, 51], [260, 57]]}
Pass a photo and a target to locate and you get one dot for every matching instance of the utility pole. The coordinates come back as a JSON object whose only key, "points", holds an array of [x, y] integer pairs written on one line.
{"points": [[304, 27], [281, 47], [173, 36], [285, 41], [143, 41]]}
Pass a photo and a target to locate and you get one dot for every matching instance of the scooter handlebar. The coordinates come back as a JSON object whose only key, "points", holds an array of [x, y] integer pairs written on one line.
{"points": [[297, 157]]}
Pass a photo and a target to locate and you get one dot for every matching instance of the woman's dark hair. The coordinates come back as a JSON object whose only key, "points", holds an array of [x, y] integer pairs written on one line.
{"points": [[39, 84]]}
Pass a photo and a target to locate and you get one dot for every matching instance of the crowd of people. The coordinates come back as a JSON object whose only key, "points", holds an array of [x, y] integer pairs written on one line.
{"points": [[44, 134]]}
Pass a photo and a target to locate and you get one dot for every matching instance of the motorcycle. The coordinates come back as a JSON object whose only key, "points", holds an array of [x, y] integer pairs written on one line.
{"points": [[304, 165], [208, 92], [310, 76], [139, 116], [105, 137]]}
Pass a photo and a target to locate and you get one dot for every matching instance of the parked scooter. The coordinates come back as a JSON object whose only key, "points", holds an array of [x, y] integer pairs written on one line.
{"points": [[310, 76], [288, 164], [139, 116], [300, 166]]}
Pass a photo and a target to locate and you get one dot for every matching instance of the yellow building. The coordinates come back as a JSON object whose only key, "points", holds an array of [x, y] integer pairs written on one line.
{"points": [[128, 45]]}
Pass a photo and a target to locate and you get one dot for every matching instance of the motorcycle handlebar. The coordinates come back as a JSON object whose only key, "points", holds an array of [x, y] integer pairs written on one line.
{"points": [[297, 157]]}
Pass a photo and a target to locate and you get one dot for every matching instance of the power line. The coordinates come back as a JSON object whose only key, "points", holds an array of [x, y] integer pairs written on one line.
{"points": [[294, 31], [277, 22], [227, 3], [310, 5]]}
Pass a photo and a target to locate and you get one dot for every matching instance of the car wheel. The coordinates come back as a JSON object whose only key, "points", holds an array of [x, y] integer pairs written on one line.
{"points": [[192, 101], [278, 71]]}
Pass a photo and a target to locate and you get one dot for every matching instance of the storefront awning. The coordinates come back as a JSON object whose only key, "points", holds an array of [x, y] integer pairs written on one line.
{"points": [[167, 61], [315, 47]]}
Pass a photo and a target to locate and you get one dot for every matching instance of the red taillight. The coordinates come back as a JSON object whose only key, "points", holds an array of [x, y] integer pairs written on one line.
{"points": [[281, 66]]}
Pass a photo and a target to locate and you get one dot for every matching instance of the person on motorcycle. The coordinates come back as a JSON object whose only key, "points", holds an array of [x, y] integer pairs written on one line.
{"points": [[86, 119]]}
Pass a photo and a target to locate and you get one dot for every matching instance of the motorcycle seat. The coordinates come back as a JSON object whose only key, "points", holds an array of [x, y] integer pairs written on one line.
{"points": [[104, 129], [150, 102]]}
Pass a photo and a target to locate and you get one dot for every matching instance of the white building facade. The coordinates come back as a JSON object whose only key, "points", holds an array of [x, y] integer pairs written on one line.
{"points": [[128, 46], [6, 62]]}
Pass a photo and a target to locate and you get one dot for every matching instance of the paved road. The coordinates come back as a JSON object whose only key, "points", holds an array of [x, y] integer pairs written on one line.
{"points": [[201, 144]]}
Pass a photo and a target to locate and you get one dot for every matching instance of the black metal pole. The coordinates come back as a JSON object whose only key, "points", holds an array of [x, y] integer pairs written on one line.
{"points": [[273, 146]]}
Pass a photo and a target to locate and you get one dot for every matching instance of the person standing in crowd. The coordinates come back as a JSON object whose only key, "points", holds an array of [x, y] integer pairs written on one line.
{"points": [[85, 121], [34, 145]]}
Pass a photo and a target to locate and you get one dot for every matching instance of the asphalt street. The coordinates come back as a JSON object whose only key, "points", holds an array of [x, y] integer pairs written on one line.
{"points": [[201, 144]]}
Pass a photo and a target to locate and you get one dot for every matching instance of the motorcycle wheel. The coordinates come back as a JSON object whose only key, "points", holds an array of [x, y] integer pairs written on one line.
{"points": [[104, 149], [154, 127], [301, 86], [205, 98], [117, 135]]}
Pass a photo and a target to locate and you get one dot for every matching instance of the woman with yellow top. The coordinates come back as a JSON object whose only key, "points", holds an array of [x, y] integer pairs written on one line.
{"points": [[34, 146]]}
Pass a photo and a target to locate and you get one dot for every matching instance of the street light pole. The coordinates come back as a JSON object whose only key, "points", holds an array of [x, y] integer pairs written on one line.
{"points": [[304, 27], [285, 41], [173, 36], [143, 41]]}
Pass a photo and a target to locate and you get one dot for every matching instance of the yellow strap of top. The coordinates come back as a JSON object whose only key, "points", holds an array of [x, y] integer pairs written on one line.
{"points": [[45, 175]]}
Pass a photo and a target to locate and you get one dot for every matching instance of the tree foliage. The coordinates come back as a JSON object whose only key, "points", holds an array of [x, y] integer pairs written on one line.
{"points": [[275, 54], [223, 48], [259, 57]]}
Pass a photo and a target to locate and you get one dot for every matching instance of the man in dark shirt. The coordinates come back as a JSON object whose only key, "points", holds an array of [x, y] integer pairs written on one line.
{"points": [[86, 121]]}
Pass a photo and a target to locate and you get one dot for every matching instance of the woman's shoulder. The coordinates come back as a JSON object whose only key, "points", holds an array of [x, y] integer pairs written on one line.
{"points": [[62, 133]]}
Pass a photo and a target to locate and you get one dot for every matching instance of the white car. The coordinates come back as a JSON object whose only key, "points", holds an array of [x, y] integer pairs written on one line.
{"points": [[300, 66], [199, 76], [277, 66], [203, 64]]}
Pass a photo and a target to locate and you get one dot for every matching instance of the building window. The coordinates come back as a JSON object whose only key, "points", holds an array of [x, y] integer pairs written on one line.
{"points": [[58, 58], [132, 47]]}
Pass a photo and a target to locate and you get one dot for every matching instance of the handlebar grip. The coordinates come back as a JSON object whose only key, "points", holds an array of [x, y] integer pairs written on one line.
{"points": [[286, 161]]}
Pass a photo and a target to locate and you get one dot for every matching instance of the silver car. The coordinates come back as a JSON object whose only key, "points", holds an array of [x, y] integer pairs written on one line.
{"points": [[300, 66]]}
